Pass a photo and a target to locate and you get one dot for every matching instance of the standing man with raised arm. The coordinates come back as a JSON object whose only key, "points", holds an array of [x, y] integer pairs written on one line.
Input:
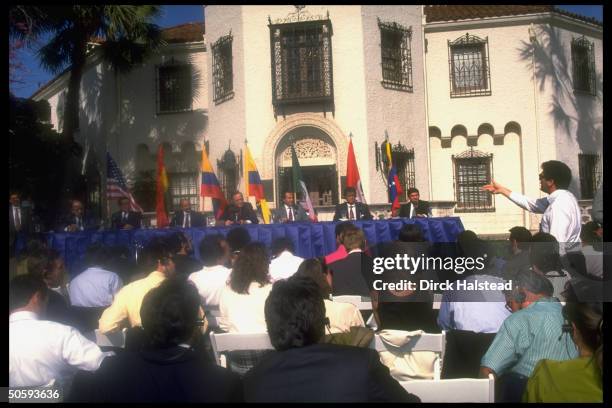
{"points": [[561, 213]]}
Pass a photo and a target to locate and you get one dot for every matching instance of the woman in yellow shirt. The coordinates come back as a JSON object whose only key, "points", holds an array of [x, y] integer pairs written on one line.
{"points": [[580, 379]]}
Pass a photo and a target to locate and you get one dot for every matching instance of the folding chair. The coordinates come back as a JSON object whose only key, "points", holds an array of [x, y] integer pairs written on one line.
{"points": [[212, 315], [363, 303], [456, 390], [225, 342], [437, 300], [435, 342]]}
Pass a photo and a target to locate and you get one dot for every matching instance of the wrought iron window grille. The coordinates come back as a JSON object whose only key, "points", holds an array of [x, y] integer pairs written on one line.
{"points": [[590, 174], [173, 85], [468, 62], [583, 65], [403, 160], [223, 81], [184, 186], [301, 60], [472, 170], [396, 58]]}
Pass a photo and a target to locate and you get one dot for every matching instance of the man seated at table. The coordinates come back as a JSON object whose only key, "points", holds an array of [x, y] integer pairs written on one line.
{"points": [[125, 218], [239, 212], [289, 211], [186, 218], [352, 210], [76, 220], [416, 207]]}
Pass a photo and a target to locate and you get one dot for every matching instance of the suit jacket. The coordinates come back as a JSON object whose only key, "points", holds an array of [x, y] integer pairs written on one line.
{"points": [[421, 208], [134, 219], [299, 214], [168, 375], [362, 211], [88, 222], [197, 219], [245, 212], [26, 220], [323, 373], [352, 275]]}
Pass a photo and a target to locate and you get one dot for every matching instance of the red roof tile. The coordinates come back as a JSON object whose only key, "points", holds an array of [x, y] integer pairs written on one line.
{"points": [[190, 32]]}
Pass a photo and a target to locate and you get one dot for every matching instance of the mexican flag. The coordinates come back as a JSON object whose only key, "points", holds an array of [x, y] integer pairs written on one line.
{"points": [[300, 186]]}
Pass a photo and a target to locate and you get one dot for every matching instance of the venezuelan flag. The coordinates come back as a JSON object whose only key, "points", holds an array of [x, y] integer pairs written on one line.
{"points": [[162, 189], [393, 182], [254, 186], [210, 187]]}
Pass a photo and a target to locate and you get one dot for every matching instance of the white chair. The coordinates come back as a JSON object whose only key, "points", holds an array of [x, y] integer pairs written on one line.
{"points": [[224, 342], [456, 390], [212, 316], [435, 342], [116, 339], [437, 300], [361, 302]]}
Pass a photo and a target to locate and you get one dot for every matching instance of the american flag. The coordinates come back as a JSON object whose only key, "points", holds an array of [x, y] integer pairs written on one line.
{"points": [[115, 183]]}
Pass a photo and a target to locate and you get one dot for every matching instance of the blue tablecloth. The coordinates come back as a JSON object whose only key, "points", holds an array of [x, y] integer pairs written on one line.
{"points": [[310, 239]]}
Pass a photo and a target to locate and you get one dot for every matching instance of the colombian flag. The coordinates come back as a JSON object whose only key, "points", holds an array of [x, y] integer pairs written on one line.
{"points": [[254, 186], [393, 183], [210, 186], [162, 188]]}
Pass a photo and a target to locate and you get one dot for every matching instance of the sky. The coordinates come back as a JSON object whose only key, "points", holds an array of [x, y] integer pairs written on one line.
{"points": [[35, 76]]}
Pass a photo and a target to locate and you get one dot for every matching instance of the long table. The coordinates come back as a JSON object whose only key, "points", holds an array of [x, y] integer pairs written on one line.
{"points": [[310, 239]]}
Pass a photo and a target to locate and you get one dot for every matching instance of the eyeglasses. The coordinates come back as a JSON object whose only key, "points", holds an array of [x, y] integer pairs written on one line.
{"points": [[509, 308]]}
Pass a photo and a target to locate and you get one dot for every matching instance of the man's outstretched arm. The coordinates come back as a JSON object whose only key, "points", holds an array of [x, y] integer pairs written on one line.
{"points": [[536, 206]]}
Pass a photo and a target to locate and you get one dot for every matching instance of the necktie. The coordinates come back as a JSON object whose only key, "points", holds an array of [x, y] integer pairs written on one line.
{"points": [[291, 214], [412, 210], [188, 221], [124, 218], [17, 219], [351, 213]]}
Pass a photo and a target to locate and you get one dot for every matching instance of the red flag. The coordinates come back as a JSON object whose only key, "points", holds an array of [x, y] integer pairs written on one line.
{"points": [[352, 174], [162, 188]]}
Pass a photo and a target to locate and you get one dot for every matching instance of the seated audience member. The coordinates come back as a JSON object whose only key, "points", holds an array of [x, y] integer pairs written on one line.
{"points": [[341, 316], [545, 260], [76, 220], [242, 300], [167, 368], [96, 286], [592, 249], [186, 218], [182, 250], [406, 310], [284, 263], [531, 333], [35, 244], [580, 379], [520, 239], [46, 264], [353, 274], [211, 280], [478, 311], [339, 253], [125, 309], [237, 238], [125, 219], [43, 353], [302, 369]]}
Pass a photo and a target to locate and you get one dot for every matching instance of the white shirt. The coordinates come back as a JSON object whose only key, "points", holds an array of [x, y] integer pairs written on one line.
{"points": [[94, 287], [244, 313], [412, 207], [42, 352], [284, 265], [561, 217], [289, 210], [349, 208], [17, 216], [210, 282]]}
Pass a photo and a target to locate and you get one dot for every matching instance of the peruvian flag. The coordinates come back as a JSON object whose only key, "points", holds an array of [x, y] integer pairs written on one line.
{"points": [[352, 174]]}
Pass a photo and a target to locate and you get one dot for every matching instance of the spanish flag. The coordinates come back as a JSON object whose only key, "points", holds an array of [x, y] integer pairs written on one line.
{"points": [[254, 186], [210, 186], [162, 188]]}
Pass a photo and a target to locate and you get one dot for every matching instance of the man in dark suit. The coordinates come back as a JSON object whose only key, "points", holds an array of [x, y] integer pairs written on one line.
{"points": [[353, 274], [416, 207], [352, 210], [186, 218], [20, 220], [304, 370], [76, 219], [124, 218], [239, 212], [289, 211]]}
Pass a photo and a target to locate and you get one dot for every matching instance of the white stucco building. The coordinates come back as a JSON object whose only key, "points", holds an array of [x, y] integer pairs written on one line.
{"points": [[464, 93]]}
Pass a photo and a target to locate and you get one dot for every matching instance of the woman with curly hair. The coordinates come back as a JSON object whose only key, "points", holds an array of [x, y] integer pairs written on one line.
{"points": [[242, 300]]}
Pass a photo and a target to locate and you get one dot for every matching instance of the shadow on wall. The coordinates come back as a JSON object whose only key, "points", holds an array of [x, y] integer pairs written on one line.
{"points": [[569, 109]]}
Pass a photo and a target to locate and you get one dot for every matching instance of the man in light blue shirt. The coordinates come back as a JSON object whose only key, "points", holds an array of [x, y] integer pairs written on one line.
{"points": [[95, 286], [533, 332]]}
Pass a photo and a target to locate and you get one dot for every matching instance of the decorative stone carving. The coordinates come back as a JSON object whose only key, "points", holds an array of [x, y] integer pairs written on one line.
{"points": [[309, 148]]}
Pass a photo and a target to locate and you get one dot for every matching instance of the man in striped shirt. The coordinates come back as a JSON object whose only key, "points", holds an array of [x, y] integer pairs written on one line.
{"points": [[533, 332]]}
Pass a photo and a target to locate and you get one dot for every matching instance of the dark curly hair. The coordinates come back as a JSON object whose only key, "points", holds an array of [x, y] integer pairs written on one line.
{"points": [[251, 266], [557, 171], [169, 313], [295, 313], [544, 252], [315, 270]]}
